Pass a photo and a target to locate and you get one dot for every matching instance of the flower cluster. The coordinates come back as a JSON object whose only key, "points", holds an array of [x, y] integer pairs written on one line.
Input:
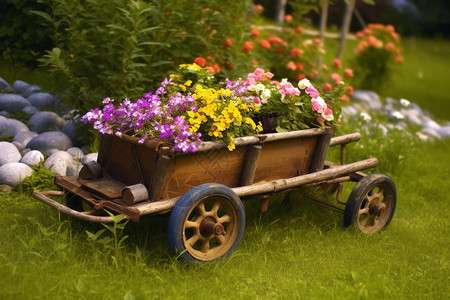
{"points": [[193, 106]]}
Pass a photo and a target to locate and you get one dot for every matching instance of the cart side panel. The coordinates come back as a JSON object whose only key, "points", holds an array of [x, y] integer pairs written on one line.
{"points": [[129, 163], [190, 170], [285, 159]]}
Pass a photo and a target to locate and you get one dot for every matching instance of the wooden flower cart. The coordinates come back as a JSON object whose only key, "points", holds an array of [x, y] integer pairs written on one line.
{"points": [[203, 190]]}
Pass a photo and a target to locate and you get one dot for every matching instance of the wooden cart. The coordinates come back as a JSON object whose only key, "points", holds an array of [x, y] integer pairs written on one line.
{"points": [[203, 189]]}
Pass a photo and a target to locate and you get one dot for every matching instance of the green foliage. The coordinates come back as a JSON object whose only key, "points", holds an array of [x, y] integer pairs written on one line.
{"points": [[42, 179], [112, 245], [123, 48], [22, 37], [377, 54]]}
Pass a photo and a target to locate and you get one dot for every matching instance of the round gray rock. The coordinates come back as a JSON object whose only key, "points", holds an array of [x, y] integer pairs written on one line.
{"points": [[3, 84], [50, 140], [11, 127], [13, 102], [76, 152], [9, 153], [89, 157], [32, 158], [41, 100], [13, 174], [370, 98], [444, 131], [30, 110], [20, 86], [30, 90], [59, 162], [24, 137], [46, 121]]}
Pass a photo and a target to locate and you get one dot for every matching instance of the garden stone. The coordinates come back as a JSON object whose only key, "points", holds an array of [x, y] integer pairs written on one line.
{"points": [[349, 111], [422, 136], [30, 110], [24, 137], [18, 146], [50, 140], [46, 121], [73, 170], [20, 86], [30, 90], [51, 152], [412, 116], [3, 84], [14, 173], [395, 116], [11, 127], [370, 98], [3, 113], [13, 102], [391, 101], [41, 100], [89, 157], [429, 123], [444, 131], [58, 162], [76, 152], [431, 132], [32, 158], [8, 153]]}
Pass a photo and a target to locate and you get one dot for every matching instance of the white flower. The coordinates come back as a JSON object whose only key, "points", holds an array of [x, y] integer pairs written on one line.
{"points": [[304, 83], [252, 88], [365, 117], [405, 103], [259, 87], [265, 95], [398, 115]]}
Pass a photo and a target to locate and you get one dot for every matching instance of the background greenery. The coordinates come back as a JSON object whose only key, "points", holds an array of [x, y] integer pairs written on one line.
{"points": [[298, 249]]}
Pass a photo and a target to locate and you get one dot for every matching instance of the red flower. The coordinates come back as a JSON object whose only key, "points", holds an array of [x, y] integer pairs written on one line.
{"points": [[337, 63], [288, 18], [254, 32], [298, 29], [300, 77], [200, 61], [327, 87], [276, 40], [280, 50], [296, 52], [349, 90], [348, 73], [265, 44], [248, 46], [291, 66], [300, 67]]}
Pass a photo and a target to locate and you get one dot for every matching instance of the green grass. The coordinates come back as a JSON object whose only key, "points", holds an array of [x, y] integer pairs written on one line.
{"points": [[298, 249]]}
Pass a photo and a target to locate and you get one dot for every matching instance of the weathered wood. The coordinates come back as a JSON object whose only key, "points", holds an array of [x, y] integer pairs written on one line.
{"points": [[345, 139], [90, 170], [321, 150], [159, 176], [250, 164], [134, 194], [146, 208], [283, 184]]}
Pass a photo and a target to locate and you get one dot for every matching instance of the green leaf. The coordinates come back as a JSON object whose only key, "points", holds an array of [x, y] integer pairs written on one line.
{"points": [[118, 27], [42, 14], [280, 129]]}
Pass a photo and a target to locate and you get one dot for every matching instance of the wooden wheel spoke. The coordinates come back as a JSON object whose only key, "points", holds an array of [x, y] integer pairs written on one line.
{"points": [[215, 208], [363, 211], [224, 219], [192, 240], [220, 239], [363, 223], [191, 224], [201, 209], [205, 245]]}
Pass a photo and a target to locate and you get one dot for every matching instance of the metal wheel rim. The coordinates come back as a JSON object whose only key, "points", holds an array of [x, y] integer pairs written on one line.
{"points": [[375, 209], [223, 211]]}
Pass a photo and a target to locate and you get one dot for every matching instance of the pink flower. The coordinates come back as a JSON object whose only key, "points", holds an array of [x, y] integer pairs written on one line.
{"points": [[348, 73], [337, 63], [321, 120], [259, 72], [269, 75], [316, 106], [312, 92]]}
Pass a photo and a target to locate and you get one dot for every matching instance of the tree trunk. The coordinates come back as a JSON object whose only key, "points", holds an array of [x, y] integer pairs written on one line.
{"points": [[281, 8], [323, 27], [345, 27]]}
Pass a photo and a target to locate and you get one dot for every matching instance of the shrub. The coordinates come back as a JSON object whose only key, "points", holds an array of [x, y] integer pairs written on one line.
{"points": [[377, 53], [121, 48]]}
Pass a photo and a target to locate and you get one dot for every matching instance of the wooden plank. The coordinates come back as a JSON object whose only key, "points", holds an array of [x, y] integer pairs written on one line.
{"points": [[250, 163], [321, 150], [105, 187]]}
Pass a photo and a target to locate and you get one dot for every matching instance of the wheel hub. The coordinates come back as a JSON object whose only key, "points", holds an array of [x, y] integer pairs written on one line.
{"points": [[209, 226], [376, 207]]}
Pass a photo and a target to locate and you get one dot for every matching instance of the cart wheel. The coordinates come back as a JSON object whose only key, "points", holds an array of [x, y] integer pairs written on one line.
{"points": [[371, 204], [74, 202], [206, 223]]}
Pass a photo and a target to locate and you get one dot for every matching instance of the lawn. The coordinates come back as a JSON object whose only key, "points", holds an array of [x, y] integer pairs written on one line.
{"points": [[297, 249]]}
